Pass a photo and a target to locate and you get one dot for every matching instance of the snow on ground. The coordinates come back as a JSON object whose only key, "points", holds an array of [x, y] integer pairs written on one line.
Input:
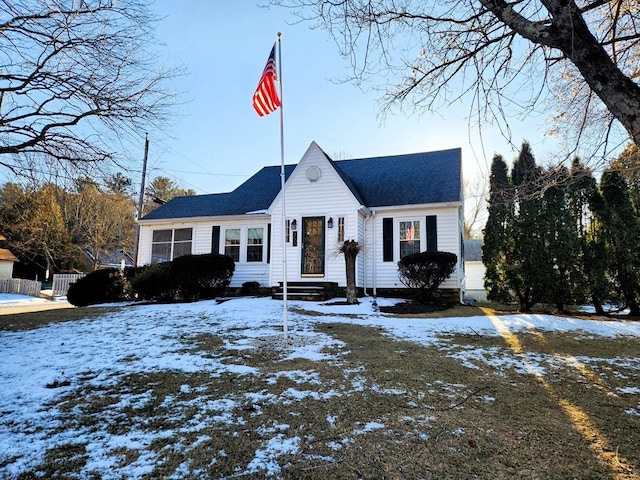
{"points": [[103, 350], [13, 300]]}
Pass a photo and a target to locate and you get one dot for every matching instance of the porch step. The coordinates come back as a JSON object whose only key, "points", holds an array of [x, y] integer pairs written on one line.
{"points": [[307, 291]]}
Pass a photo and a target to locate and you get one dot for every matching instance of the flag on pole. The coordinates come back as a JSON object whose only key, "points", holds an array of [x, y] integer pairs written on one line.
{"points": [[265, 99]]}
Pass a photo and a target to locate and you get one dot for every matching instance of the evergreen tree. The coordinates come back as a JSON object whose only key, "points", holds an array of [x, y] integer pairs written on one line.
{"points": [[530, 269], [621, 229], [561, 241], [628, 164], [583, 201], [495, 249]]}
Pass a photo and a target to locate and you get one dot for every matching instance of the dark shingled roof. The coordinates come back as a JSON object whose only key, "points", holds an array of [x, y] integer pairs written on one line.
{"points": [[419, 178], [473, 250]]}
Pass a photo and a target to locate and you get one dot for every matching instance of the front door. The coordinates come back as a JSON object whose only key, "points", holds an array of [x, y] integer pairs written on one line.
{"points": [[313, 246]]}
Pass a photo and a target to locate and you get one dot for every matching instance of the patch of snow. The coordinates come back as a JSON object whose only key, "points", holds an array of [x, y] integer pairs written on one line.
{"points": [[265, 460], [369, 427], [628, 390]]}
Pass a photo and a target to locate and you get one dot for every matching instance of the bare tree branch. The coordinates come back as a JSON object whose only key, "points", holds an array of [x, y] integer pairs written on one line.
{"points": [[511, 57], [74, 76]]}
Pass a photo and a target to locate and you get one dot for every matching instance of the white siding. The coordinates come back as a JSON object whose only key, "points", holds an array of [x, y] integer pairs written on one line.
{"points": [[475, 275], [6, 269], [202, 243], [386, 273], [201, 238], [144, 245], [327, 197], [475, 280]]}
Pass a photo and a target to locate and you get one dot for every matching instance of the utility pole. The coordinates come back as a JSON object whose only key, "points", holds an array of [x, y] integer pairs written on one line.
{"points": [[141, 200]]}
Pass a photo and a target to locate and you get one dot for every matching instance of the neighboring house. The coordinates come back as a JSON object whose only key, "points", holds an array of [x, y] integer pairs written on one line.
{"points": [[7, 259], [393, 206], [109, 258], [474, 271]]}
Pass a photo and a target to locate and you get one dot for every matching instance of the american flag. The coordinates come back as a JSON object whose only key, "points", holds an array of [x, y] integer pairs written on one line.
{"points": [[265, 99]]}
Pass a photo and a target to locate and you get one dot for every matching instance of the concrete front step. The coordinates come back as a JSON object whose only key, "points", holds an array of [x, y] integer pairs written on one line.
{"points": [[306, 291]]}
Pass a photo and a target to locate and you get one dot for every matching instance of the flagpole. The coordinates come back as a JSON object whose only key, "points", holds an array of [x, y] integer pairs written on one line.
{"points": [[284, 211]]}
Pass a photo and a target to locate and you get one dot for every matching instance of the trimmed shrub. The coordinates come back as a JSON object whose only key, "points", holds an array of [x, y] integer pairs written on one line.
{"points": [[153, 282], [101, 286], [424, 272], [201, 276]]}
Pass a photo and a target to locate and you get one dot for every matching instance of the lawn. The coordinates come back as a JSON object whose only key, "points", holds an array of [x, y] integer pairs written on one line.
{"points": [[214, 390]]}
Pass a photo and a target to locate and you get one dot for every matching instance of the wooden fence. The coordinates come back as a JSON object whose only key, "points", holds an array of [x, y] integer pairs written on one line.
{"points": [[61, 282], [20, 286]]}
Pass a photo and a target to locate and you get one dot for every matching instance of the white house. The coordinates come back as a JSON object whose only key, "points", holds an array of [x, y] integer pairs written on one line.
{"points": [[393, 206], [474, 271]]}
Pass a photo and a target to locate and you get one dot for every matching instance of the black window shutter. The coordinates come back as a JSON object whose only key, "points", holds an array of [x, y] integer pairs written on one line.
{"points": [[387, 239], [215, 239], [269, 243], [432, 233]]}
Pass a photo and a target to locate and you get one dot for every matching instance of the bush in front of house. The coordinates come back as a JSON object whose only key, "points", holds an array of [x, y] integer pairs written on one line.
{"points": [[424, 272], [153, 282], [101, 286], [201, 276]]}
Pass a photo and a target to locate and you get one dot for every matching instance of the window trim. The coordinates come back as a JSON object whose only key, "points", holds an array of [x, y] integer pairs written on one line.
{"points": [[399, 241], [341, 229], [243, 245], [171, 243], [250, 245], [229, 245]]}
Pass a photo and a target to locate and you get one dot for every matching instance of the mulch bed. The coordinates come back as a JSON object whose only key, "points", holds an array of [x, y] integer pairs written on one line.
{"points": [[410, 307]]}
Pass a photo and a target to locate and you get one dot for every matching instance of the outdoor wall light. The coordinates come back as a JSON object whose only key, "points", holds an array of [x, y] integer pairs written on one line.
{"points": [[294, 225], [330, 222]]}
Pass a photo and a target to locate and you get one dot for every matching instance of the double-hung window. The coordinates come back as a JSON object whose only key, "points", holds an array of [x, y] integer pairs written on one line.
{"points": [[255, 244], [409, 237], [232, 243], [167, 245]]}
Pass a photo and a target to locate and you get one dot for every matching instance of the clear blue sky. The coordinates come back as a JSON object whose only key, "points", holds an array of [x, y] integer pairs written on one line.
{"points": [[218, 140]]}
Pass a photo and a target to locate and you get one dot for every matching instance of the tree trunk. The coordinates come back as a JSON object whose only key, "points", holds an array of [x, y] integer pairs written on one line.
{"points": [[569, 34], [351, 293], [597, 304], [350, 249]]}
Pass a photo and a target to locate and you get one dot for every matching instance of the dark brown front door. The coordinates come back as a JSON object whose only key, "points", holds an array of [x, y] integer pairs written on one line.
{"points": [[313, 246]]}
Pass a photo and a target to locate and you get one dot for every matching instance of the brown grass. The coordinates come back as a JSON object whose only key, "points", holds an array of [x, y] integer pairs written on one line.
{"points": [[31, 320], [442, 420]]}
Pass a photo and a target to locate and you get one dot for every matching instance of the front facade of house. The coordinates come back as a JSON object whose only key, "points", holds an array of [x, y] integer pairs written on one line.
{"points": [[392, 206]]}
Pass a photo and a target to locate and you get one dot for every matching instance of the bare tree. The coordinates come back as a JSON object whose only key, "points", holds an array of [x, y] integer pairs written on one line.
{"points": [[475, 216], [76, 77], [99, 220], [509, 56]]}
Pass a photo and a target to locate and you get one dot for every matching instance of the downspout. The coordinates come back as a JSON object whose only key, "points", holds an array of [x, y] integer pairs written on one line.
{"points": [[364, 254], [375, 260]]}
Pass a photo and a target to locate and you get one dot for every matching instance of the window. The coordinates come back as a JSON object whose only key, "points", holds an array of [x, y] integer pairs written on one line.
{"points": [[409, 238], [167, 245], [255, 242], [341, 229], [287, 231], [232, 243], [182, 242]]}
